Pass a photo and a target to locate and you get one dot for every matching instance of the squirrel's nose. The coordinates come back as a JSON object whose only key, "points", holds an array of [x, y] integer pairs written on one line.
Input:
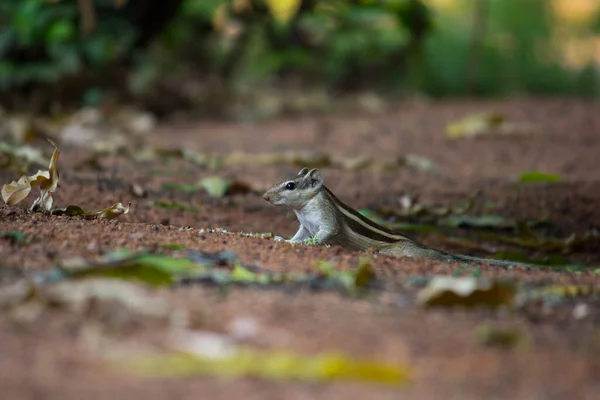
{"points": [[266, 196]]}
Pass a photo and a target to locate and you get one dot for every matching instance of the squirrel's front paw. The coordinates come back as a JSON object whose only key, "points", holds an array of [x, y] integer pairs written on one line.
{"points": [[280, 239]]}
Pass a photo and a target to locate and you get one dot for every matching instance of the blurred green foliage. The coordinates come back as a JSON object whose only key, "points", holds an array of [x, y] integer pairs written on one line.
{"points": [[518, 52], [341, 43], [385, 45], [41, 41]]}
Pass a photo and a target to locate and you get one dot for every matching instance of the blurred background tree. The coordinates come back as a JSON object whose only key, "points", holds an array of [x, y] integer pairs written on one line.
{"points": [[208, 54]]}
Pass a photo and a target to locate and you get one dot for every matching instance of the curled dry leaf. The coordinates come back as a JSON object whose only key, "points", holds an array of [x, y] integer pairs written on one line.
{"points": [[16, 191], [113, 211]]}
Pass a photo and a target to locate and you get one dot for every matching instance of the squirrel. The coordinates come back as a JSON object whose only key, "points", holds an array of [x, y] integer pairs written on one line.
{"points": [[326, 219]]}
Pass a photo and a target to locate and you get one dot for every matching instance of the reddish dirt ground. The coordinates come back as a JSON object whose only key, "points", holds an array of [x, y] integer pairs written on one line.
{"points": [[50, 357]]}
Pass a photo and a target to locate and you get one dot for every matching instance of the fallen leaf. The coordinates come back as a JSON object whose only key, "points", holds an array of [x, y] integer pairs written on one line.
{"points": [[48, 181], [398, 226], [567, 291], [215, 186], [483, 221], [526, 238], [69, 211], [486, 124], [448, 291], [266, 364], [78, 295], [19, 157], [356, 163], [14, 237], [419, 163], [113, 211], [154, 270], [243, 275], [549, 260], [137, 190], [219, 187], [44, 202], [414, 209], [171, 205], [502, 337], [535, 176], [364, 274], [16, 191], [172, 246]]}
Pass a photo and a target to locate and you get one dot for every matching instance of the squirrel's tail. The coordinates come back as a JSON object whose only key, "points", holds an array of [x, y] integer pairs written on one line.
{"points": [[489, 261]]}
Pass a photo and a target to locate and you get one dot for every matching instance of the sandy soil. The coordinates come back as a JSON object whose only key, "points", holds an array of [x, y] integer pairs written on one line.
{"points": [[49, 357]]}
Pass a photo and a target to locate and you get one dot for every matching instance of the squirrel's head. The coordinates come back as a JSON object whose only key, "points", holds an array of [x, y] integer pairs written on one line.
{"points": [[295, 191]]}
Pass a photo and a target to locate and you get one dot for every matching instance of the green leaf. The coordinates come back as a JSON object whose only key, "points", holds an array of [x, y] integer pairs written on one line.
{"points": [[154, 270], [528, 239], [471, 221], [243, 275], [535, 176], [14, 237], [60, 31], [270, 365], [172, 246], [398, 226], [215, 186], [171, 205], [184, 187], [361, 277], [501, 337]]}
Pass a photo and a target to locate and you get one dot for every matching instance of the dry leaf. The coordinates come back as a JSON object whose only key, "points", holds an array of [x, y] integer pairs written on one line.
{"points": [[113, 211], [450, 291], [16, 191], [48, 181], [487, 124]]}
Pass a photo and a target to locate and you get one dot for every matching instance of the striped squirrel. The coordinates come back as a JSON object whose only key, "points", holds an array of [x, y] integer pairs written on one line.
{"points": [[327, 219]]}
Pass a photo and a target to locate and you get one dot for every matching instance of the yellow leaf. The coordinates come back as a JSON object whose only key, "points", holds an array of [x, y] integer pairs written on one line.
{"points": [[274, 365], [283, 10], [488, 124], [14, 192], [474, 125], [567, 290]]}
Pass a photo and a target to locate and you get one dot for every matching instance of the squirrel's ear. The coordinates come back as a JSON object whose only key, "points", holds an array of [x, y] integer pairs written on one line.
{"points": [[303, 171], [314, 177]]}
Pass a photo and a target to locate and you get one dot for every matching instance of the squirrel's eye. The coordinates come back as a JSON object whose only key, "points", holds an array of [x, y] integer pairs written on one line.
{"points": [[290, 186]]}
